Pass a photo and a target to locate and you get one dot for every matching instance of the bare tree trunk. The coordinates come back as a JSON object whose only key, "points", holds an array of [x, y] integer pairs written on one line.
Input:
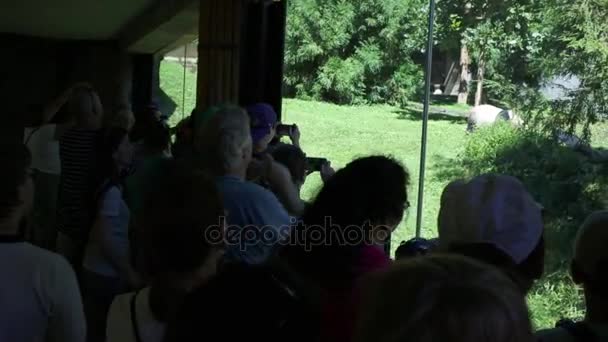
{"points": [[465, 74], [481, 70]]}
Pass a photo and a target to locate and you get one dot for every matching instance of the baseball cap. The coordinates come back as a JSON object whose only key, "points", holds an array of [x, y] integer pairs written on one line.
{"points": [[262, 117], [491, 209], [590, 244]]}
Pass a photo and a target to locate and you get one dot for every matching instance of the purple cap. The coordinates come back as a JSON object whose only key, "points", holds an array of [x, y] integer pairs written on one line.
{"points": [[263, 118]]}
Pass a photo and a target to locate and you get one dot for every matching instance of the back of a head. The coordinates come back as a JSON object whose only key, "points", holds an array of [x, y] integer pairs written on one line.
{"points": [[181, 221], [369, 189], [591, 254], [16, 160], [85, 107], [124, 118], [367, 192], [221, 138], [443, 298], [493, 210]]}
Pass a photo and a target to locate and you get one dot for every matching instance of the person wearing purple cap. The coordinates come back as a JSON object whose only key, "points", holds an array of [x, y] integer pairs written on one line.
{"points": [[263, 169], [264, 123]]}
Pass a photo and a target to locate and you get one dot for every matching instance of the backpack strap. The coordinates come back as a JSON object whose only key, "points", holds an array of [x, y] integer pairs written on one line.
{"points": [[579, 330], [134, 323]]}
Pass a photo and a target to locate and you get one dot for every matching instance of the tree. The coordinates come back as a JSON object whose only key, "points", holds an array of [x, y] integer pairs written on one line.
{"points": [[574, 43], [490, 33], [347, 51]]}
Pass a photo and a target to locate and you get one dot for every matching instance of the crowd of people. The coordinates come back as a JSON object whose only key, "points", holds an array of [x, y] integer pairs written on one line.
{"points": [[113, 230]]}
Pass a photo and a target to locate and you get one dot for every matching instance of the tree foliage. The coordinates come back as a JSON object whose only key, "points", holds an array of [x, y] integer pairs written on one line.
{"points": [[500, 35], [355, 51], [575, 43]]}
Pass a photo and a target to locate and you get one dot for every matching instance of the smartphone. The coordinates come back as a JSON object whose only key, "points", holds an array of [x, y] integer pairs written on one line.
{"points": [[284, 130], [315, 164]]}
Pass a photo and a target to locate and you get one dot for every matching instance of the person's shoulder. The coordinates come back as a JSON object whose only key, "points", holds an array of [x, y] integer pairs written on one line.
{"points": [[42, 255], [121, 307], [54, 266], [372, 258], [554, 335], [119, 318], [242, 188], [229, 281], [112, 191]]}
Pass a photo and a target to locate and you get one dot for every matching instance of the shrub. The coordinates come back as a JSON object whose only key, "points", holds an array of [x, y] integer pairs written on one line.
{"points": [[563, 181], [351, 52]]}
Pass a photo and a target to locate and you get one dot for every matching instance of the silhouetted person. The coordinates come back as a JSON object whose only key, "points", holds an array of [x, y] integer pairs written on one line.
{"points": [[182, 240], [589, 270], [39, 295], [79, 147], [443, 298], [343, 234]]}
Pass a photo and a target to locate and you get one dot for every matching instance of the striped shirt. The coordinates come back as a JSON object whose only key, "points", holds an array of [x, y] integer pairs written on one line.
{"points": [[78, 149]]}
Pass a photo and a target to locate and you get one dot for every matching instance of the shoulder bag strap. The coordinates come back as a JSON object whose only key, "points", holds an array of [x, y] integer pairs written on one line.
{"points": [[134, 323]]}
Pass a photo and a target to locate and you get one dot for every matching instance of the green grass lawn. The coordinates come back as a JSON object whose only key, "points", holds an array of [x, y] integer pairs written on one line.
{"points": [[172, 83], [342, 133]]}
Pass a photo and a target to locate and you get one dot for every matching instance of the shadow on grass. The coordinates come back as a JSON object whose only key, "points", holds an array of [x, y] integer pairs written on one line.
{"points": [[444, 99], [435, 114]]}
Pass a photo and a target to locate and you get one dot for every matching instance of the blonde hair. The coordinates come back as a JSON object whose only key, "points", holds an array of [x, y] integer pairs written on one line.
{"points": [[124, 119], [84, 106], [220, 139], [443, 298]]}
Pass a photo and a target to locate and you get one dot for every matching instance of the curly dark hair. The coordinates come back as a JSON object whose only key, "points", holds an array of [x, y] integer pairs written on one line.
{"points": [[369, 190], [16, 160]]}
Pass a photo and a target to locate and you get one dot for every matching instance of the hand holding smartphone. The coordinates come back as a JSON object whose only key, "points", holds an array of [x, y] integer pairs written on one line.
{"points": [[284, 130], [316, 164]]}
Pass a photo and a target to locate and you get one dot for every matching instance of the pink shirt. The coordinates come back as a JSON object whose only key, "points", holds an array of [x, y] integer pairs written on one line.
{"points": [[340, 307]]}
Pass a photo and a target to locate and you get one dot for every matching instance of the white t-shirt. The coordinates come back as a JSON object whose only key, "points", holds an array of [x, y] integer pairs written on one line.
{"points": [[39, 296], [120, 327], [44, 148], [115, 236]]}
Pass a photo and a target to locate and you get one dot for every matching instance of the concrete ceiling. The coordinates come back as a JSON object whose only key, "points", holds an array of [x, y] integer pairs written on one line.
{"points": [[69, 19]]}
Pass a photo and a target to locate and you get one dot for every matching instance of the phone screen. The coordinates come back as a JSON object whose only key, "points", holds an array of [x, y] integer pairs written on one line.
{"points": [[284, 130]]}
